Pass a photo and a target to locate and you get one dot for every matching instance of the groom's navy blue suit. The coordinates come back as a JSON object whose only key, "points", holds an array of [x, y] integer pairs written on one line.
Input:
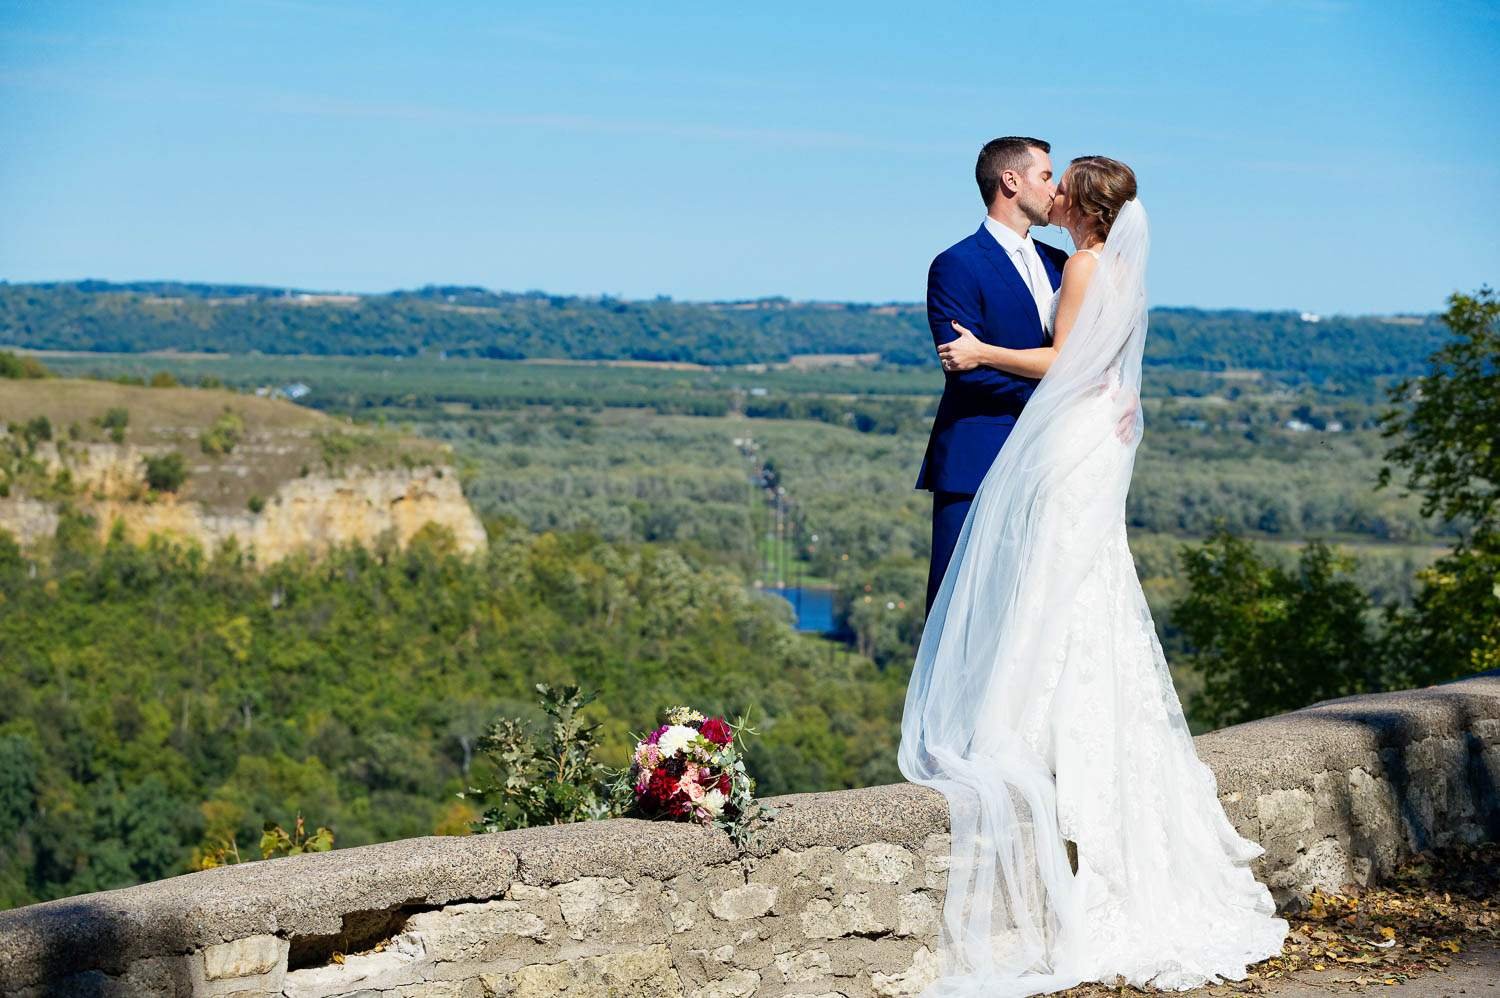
{"points": [[975, 283]]}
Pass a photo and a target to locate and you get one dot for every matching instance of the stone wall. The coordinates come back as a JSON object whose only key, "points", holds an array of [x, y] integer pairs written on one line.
{"points": [[841, 899]]}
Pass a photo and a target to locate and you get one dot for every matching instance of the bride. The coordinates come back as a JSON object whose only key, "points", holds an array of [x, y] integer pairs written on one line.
{"points": [[1087, 838]]}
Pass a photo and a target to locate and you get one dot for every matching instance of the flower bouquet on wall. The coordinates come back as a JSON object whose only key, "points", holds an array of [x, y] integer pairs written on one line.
{"points": [[692, 768]]}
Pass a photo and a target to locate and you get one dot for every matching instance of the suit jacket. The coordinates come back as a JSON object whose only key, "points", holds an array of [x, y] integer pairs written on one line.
{"points": [[975, 283]]}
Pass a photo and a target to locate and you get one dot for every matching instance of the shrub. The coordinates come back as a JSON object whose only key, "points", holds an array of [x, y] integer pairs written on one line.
{"points": [[166, 472], [34, 431], [224, 434], [14, 366], [543, 781], [114, 420]]}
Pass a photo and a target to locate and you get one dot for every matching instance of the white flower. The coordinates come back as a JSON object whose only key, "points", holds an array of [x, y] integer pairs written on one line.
{"points": [[713, 802], [676, 739]]}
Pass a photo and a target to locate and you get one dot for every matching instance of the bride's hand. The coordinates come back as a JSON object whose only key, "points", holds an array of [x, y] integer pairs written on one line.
{"points": [[1125, 427], [963, 353]]}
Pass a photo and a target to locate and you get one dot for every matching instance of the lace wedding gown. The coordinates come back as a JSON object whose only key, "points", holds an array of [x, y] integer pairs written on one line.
{"points": [[1042, 707]]}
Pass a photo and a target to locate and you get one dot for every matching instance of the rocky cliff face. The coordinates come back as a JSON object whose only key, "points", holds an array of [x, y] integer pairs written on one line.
{"points": [[308, 513]]}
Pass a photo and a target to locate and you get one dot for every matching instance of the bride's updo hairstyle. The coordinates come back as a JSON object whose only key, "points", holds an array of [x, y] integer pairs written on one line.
{"points": [[1098, 188]]}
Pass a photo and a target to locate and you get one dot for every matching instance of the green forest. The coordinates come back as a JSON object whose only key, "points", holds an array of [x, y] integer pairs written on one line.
{"points": [[473, 322], [156, 702], [1305, 523]]}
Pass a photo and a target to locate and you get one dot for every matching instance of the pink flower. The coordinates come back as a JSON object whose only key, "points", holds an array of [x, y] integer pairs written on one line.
{"points": [[692, 788], [647, 755]]}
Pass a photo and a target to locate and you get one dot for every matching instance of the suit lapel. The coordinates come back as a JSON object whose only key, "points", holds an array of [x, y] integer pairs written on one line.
{"points": [[1009, 276]]}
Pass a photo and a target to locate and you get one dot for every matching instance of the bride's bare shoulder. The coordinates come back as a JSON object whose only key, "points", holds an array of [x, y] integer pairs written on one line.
{"points": [[1079, 266]]}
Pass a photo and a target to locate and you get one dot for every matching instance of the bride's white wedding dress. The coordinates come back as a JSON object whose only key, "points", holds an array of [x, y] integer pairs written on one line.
{"points": [[1041, 706]]}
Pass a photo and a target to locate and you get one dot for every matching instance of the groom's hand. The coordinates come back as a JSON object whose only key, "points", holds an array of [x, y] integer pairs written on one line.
{"points": [[962, 354]]}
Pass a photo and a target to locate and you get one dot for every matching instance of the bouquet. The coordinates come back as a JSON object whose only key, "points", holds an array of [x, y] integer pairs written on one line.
{"points": [[692, 769]]}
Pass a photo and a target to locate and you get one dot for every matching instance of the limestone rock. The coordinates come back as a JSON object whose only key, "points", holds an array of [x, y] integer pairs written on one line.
{"points": [[923, 971], [646, 973], [749, 901], [879, 862]]}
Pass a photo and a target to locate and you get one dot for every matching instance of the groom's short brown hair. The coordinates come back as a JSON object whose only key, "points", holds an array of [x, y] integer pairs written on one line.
{"points": [[1012, 152]]}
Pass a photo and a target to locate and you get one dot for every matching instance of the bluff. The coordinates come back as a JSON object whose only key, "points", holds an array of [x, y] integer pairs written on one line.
{"points": [[263, 472]]}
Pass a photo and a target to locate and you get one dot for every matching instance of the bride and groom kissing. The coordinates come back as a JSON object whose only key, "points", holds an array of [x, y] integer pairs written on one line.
{"points": [[1087, 840], [999, 288]]}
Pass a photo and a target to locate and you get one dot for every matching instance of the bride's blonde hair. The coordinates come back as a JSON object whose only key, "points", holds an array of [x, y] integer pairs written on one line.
{"points": [[1098, 188]]}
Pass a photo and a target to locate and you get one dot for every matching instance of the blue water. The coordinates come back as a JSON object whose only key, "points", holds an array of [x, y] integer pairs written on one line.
{"points": [[813, 607]]}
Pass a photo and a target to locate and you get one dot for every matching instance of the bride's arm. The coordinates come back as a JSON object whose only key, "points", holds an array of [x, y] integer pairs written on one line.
{"points": [[969, 351]]}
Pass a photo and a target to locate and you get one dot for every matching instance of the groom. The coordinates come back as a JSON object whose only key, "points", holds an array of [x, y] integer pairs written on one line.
{"points": [[998, 284]]}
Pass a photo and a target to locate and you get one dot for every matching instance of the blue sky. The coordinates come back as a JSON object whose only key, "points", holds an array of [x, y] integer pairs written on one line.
{"points": [[1325, 155]]}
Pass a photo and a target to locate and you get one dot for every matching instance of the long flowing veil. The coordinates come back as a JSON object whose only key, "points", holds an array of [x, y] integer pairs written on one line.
{"points": [[996, 632]]}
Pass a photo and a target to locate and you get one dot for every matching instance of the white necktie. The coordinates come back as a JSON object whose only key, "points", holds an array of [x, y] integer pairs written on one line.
{"points": [[1041, 287]]}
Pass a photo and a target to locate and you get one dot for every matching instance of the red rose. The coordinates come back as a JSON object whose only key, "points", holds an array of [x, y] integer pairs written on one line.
{"points": [[724, 784], [717, 731]]}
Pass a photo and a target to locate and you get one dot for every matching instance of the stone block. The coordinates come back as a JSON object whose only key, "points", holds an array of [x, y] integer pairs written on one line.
{"points": [[800, 875], [740, 984], [491, 930], [686, 898], [803, 965], [879, 862], [611, 907], [935, 858], [637, 973], [920, 972], [248, 957], [916, 915], [855, 914], [1284, 813], [745, 901]]}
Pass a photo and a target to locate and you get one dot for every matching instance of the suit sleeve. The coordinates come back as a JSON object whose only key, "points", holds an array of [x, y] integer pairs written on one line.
{"points": [[953, 294]]}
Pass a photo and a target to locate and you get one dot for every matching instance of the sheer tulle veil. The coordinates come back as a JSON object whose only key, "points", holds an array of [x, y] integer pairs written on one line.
{"points": [[1012, 914]]}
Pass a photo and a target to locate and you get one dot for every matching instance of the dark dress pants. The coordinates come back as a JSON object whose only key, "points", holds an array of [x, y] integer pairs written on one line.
{"points": [[948, 512]]}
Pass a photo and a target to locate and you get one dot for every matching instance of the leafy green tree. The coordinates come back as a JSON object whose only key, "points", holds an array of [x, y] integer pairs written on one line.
{"points": [[1267, 639], [14, 366], [1447, 428]]}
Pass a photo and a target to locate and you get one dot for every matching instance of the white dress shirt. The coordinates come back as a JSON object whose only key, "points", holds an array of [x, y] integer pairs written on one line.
{"points": [[1028, 263]]}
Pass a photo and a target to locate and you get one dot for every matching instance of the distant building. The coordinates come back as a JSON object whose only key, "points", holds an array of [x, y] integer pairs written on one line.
{"points": [[290, 392], [1297, 426], [1311, 317]]}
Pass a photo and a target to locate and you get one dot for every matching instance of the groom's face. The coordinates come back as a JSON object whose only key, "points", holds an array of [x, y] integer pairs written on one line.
{"points": [[1035, 188]]}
